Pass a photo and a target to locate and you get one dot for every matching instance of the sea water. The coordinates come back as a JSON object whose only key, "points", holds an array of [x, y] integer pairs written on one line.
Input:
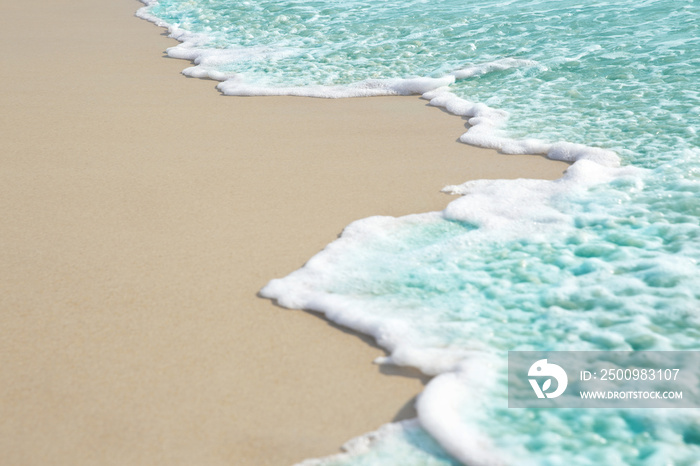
{"points": [[605, 258]]}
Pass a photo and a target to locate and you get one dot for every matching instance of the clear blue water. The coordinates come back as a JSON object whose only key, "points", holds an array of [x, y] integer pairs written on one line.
{"points": [[605, 258]]}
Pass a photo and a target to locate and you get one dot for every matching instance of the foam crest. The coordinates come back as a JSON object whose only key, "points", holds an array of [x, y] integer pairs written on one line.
{"points": [[369, 88], [440, 406], [512, 208], [144, 13], [571, 152], [486, 130]]}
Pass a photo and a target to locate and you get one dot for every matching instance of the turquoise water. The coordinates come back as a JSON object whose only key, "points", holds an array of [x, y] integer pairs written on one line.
{"points": [[605, 258]]}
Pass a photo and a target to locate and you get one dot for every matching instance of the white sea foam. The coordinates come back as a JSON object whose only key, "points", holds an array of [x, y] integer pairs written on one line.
{"points": [[513, 207], [486, 131], [143, 13], [368, 88], [440, 406]]}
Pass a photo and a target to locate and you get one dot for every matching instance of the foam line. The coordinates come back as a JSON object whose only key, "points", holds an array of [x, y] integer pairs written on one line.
{"points": [[486, 131]]}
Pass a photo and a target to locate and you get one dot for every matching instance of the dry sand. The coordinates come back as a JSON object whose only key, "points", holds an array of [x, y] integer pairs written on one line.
{"points": [[141, 213]]}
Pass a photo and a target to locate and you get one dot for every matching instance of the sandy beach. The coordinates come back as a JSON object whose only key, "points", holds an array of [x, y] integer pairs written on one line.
{"points": [[141, 213]]}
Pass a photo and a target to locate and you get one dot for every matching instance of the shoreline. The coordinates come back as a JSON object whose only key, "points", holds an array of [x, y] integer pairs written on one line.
{"points": [[144, 211]]}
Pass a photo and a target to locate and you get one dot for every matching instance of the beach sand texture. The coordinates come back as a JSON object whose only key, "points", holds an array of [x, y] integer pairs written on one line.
{"points": [[141, 213]]}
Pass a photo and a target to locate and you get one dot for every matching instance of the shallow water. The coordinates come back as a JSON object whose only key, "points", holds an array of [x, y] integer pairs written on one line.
{"points": [[604, 258]]}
